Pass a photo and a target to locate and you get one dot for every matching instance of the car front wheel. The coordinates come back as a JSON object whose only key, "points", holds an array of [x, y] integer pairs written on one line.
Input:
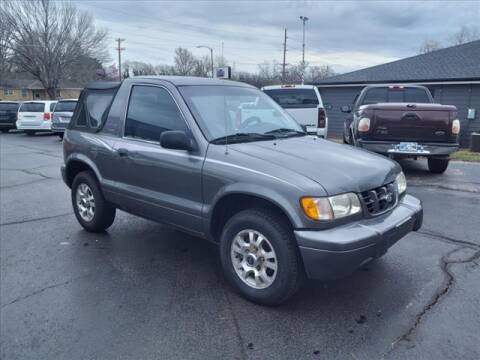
{"points": [[260, 257], [92, 211]]}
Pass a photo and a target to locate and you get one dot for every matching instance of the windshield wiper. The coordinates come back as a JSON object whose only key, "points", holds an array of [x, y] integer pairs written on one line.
{"points": [[286, 131], [242, 137]]}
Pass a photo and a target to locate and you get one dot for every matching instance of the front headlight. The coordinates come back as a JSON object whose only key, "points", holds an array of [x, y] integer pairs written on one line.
{"points": [[401, 183], [331, 208]]}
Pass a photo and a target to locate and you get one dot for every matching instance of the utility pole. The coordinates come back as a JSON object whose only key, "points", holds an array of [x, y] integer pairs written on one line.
{"points": [[284, 56], [304, 19], [119, 49]]}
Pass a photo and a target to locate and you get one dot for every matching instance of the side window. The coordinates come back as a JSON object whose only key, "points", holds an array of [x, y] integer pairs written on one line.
{"points": [[151, 111], [97, 104], [52, 106]]}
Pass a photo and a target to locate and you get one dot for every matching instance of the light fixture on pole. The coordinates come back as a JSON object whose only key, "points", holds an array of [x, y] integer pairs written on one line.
{"points": [[211, 55], [304, 20]]}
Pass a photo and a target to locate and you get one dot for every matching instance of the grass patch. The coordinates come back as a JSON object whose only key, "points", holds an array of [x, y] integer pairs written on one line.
{"points": [[466, 155]]}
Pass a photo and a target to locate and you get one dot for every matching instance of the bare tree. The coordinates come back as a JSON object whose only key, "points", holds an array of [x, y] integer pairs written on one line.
{"points": [[317, 73], [429, 46], [138, 68], [464, 35], [48, 38], [5, 51], [184, 62]]}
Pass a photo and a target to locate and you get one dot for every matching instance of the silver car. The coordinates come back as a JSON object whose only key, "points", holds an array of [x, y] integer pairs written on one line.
{"points": [[62, 114]]}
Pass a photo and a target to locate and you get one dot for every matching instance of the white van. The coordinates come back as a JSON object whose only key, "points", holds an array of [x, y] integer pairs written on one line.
{"points": [[35, 116], [304, 103]]}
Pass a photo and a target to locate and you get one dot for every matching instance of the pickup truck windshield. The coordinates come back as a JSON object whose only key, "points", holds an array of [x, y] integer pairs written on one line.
{"points": [[290, 98], [231, 110], [395, 95]]}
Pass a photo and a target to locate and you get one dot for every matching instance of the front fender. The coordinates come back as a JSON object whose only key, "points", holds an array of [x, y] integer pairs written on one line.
{"points": [[288, 206]]}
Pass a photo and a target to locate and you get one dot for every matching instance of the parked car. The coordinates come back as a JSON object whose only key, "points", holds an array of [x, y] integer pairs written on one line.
{"points": [[280, 203], [35, 116], [402, 121], [8, 115], [62, 114], [304, 103]]}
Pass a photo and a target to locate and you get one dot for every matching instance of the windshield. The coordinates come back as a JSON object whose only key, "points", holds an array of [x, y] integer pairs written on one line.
{"points": [[396, 95], [32, 107], [66, 106], [228, 110], [291, 98], [9, 107]]}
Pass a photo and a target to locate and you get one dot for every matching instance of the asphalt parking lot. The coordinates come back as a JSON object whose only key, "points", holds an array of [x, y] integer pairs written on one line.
{"points": [[143, 291]]}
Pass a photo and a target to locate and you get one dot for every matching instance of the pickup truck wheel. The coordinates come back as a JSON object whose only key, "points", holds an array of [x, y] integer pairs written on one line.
{"points": [[437, 166], [260, 257], [93, 212]]}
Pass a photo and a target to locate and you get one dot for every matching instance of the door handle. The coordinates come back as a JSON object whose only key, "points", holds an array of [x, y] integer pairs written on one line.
{"points": [[122, 152]]}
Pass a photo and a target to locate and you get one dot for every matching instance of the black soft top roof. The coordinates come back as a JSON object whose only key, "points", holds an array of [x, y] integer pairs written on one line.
{"points": [[103, 85]]}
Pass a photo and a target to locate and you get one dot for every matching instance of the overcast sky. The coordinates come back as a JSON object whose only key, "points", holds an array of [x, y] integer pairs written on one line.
{"points": [[347, 35]]}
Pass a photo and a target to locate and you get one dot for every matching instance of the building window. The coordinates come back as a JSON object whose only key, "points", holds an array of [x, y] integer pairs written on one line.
{"points": [[7, 92], [24, 92], [57, 93]]}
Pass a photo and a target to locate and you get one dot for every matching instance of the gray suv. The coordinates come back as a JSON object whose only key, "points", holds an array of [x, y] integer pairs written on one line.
{"points": [[222, 161]]}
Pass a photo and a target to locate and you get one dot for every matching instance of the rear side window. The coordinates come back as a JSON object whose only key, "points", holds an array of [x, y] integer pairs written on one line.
{"points": [[290, 98], [151, 111], [52, 106], [92, 108], [97, 104], [8, 107], [66, 106], [32, 107]]}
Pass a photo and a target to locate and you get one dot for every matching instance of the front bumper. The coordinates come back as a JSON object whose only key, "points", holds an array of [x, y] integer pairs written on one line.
{"points": [[432, 149], [337, 252]]}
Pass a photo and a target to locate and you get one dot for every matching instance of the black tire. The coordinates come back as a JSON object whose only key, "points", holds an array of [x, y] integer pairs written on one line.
{"points": [[290, 271], [104, 213], [29, 132], [60, 135], [438, 166], [5, 130]]}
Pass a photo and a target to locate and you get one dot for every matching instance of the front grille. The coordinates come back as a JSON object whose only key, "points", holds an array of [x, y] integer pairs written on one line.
{"points": [[379, 200]]}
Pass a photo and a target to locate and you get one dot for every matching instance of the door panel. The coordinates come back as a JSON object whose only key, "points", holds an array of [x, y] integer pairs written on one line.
{"points": [[158, 183], [161, 184]]}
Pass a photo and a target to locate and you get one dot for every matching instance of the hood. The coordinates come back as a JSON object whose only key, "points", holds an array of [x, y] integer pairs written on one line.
{"points": [[337, 168]]}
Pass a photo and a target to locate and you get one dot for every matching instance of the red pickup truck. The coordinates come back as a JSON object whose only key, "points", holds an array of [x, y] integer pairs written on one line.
{"points": [[403, 121]]}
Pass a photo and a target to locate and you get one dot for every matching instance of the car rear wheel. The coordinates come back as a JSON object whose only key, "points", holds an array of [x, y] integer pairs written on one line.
{"points": [[91, 209], [437, 166], [260, 257], [30, 132], [60, 135]]}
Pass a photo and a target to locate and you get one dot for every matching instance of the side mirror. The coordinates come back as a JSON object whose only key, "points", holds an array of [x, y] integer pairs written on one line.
{"points": [[346, 109], [175, 139]]}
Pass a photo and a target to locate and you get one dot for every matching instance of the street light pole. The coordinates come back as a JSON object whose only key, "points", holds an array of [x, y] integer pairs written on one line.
{"points": [[211, 55], [304, 20]]}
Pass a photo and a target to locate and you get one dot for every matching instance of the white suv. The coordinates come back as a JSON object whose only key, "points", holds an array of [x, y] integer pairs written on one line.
{"points": [[304, 103], [35, 116]]}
